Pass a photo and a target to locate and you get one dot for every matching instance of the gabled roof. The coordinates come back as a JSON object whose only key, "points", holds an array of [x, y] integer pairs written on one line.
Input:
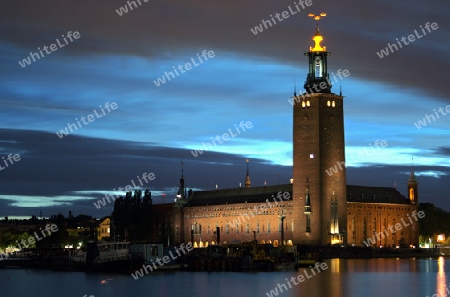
{"points": [[375, 195], [238, 195], [261, 194]]}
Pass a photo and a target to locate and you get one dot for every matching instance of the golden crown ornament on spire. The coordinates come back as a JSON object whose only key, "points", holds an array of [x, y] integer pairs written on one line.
{"points": [[317, 38]]}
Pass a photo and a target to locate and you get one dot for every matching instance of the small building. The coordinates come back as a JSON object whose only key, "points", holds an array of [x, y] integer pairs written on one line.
{"points": [[104, 228]]}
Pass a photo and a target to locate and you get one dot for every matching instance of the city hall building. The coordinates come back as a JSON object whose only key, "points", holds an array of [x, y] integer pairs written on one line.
{"points": [[316, 207]]}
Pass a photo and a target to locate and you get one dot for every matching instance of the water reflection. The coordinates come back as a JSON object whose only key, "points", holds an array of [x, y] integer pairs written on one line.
{"points": [[365, 277], [329, 283], [342, 278], [336, 288], [441, 278]]}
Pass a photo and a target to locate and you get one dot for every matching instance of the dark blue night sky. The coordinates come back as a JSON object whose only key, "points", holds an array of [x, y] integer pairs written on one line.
{"points": [[250, 78]]}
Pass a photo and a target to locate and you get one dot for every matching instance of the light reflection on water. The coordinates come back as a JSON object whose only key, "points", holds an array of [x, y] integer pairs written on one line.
{"points": [[342, 278], [441, 280]]}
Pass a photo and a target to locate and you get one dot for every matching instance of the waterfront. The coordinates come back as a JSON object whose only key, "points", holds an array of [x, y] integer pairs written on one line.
{"points": [[343, 278]]}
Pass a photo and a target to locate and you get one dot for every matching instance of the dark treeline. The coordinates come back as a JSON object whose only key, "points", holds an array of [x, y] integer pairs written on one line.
{"points": [[436, 220], [132, 217]]}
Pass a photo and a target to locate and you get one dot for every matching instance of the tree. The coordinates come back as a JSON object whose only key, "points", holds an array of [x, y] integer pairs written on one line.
{"points": [[436, 220], [131, 217], [10, 239]]}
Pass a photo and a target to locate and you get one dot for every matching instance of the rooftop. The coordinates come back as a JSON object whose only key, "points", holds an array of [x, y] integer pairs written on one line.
{"points": [[261, 194]]}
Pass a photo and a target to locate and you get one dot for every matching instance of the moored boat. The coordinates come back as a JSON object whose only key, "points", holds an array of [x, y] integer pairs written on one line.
{"points": [[104, 256]]}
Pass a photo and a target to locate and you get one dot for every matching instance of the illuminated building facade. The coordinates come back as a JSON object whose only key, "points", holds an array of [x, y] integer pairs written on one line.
{"points": [[316, 208], [318, 136]]}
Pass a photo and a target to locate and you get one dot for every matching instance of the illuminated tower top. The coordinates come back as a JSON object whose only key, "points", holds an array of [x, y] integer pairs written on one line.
{"points": [[317, 80], [317, 38], [412, 187]]}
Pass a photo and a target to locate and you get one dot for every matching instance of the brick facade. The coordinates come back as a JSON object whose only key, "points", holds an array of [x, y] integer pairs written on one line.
{"points": [[238, 213], [322, 209]]}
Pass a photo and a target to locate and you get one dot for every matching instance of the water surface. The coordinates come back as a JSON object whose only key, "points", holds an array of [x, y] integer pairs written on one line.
{"points": [[342, 278]]}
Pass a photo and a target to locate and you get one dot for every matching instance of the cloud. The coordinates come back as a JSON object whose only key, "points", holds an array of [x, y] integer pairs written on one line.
{"points": [[251, 78], [156, 29], [431, 173], [443, 151], [59, 175], [75, 170]]}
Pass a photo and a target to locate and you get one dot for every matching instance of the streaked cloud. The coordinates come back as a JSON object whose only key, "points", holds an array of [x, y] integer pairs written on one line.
{"points": [[251, 78]]}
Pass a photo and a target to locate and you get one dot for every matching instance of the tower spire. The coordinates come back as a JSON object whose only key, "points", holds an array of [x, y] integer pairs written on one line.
{"points": [[182, 169], [317, 18], [181, 191], [318, 73], [412, 185], [247, 177], [412, 177], [295, 87]]}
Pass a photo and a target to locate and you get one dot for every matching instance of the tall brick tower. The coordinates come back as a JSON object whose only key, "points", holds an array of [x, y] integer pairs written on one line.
{"points": [[318, 138]]}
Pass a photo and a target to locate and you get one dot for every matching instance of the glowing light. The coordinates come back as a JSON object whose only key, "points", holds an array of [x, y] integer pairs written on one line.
{"points": [[317, 47], [335, 241], [411, 194], [317, 38]]}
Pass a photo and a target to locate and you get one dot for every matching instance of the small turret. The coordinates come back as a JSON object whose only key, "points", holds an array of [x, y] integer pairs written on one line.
{"points": [[412, 188], [247, 177]]}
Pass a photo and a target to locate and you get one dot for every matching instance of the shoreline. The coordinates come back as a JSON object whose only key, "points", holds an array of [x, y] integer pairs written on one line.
{"points": [[226, 263]]}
